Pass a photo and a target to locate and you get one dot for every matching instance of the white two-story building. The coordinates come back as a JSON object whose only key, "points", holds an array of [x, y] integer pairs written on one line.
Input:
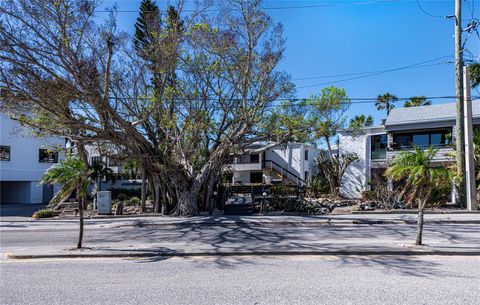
{"points": [[404, 129], [292, 163], [23, 161]]}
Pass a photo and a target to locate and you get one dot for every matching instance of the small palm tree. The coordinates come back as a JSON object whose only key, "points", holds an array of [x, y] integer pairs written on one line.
{"points": [[386, 101], [72, 175], [360, 121], [416, 101], [416, 168], [100, 171]]}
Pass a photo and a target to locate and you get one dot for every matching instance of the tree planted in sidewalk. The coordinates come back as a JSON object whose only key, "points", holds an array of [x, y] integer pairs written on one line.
{"points": [[71, 174], [416, 168]]}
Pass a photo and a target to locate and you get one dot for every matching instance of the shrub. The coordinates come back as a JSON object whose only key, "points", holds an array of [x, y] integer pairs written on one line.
{"points": [[123, 194], [45, 213], [134, 201]]}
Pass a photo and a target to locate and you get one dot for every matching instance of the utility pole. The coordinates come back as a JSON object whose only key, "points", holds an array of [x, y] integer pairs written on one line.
{"points": [[469, 160], [460, 126]]}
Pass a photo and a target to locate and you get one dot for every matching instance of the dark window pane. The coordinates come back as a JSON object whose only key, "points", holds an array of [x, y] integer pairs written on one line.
{"points": [[421, 140], [256, 177], [402, 141], [436, 139], [306, 155], [46, 156], [4, 153], [379, 147], [255, 158]]}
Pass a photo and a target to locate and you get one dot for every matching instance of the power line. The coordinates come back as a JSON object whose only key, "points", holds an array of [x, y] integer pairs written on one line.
{"points": [[427, 13], [374, 71], [343, 3], [372, 74]]}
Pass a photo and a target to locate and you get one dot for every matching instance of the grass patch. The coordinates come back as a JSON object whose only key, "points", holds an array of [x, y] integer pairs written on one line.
{"points": [[45, 213]]}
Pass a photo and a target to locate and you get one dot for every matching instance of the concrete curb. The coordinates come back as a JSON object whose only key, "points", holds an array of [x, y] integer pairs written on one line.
{"points": [[145, 254]]}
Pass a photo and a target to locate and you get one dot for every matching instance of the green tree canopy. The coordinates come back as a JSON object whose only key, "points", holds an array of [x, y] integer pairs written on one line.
{"points": [[386, 101], [416, 101], [360, 121]]}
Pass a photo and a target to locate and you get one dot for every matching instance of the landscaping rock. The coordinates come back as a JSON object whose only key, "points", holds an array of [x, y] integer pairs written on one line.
{"points": [[346, 210]]}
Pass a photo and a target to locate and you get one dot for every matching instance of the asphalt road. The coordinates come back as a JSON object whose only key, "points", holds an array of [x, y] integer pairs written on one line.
{"points": [[243, 280]]}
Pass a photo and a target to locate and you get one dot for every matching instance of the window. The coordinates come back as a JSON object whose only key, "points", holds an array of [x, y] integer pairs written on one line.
{"points": [[435, 138], [255, 158], [379, 147], [306, 176], [96, 159], [256, 177], [4, 153], [306, 155], [421, 140], [47, 156]]}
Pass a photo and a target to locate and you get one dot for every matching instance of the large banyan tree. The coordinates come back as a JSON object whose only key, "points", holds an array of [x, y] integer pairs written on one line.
{"points": [[176, 96]]}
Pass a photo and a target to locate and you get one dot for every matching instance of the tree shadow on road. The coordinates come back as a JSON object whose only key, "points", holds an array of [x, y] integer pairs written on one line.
{"points": [[417, 266]]}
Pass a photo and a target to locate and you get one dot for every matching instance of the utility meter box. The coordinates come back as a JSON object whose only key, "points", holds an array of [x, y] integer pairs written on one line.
{"points": [[104, 202]]}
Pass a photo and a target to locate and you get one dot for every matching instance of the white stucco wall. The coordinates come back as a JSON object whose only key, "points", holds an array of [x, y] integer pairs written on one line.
{"points": [[24, 168], [355, 179]]}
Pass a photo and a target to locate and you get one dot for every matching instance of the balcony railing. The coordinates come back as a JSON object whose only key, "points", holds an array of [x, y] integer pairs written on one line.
{"points": [[443, 152]]}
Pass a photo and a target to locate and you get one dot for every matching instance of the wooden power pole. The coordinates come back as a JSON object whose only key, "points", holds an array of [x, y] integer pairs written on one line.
{"points": [[460, 126]]}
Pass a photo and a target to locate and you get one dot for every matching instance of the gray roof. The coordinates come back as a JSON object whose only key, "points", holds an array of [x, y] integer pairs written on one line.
{"points": [[427, 116]]}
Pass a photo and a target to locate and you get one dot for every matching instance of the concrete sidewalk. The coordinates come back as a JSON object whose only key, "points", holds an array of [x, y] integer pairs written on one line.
{"points": [[307, 220], [148, 241]]}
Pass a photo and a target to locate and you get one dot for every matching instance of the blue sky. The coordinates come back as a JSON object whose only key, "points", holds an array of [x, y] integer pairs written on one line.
{"points": [[360, 36]]}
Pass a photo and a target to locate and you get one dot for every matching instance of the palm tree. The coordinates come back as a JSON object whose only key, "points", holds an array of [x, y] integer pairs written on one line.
{"points": [[72, 175], [100, 171], [416, 168], [386, 101], [360, 121], [416, 101], [475, 75]]}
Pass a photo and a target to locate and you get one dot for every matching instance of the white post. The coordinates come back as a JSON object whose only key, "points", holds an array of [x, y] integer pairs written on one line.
{"points": [[469, 150]]}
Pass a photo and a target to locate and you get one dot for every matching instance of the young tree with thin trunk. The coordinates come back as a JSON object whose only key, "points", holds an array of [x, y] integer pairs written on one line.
{"points": [[421, 176], [71, 174]]}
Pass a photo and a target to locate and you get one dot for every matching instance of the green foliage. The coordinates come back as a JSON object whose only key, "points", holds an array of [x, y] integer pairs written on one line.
{"points": [[293, 205], [100, 171], [417, 101], [44, 213], [475, 75], [415, 167], [309, 120], [386, 101], [360, 121], [130, 169], [123, 194], [133, 201], [319, 185], [71, 174]]}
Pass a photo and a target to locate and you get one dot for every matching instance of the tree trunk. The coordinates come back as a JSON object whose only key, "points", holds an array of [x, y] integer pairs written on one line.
{"points": [[421, 206], [187, 204], [144, 191], [80, 213]]}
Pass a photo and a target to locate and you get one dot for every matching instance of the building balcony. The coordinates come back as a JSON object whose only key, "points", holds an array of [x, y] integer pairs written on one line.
{"points": [[443, 152], [243, 167]]}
